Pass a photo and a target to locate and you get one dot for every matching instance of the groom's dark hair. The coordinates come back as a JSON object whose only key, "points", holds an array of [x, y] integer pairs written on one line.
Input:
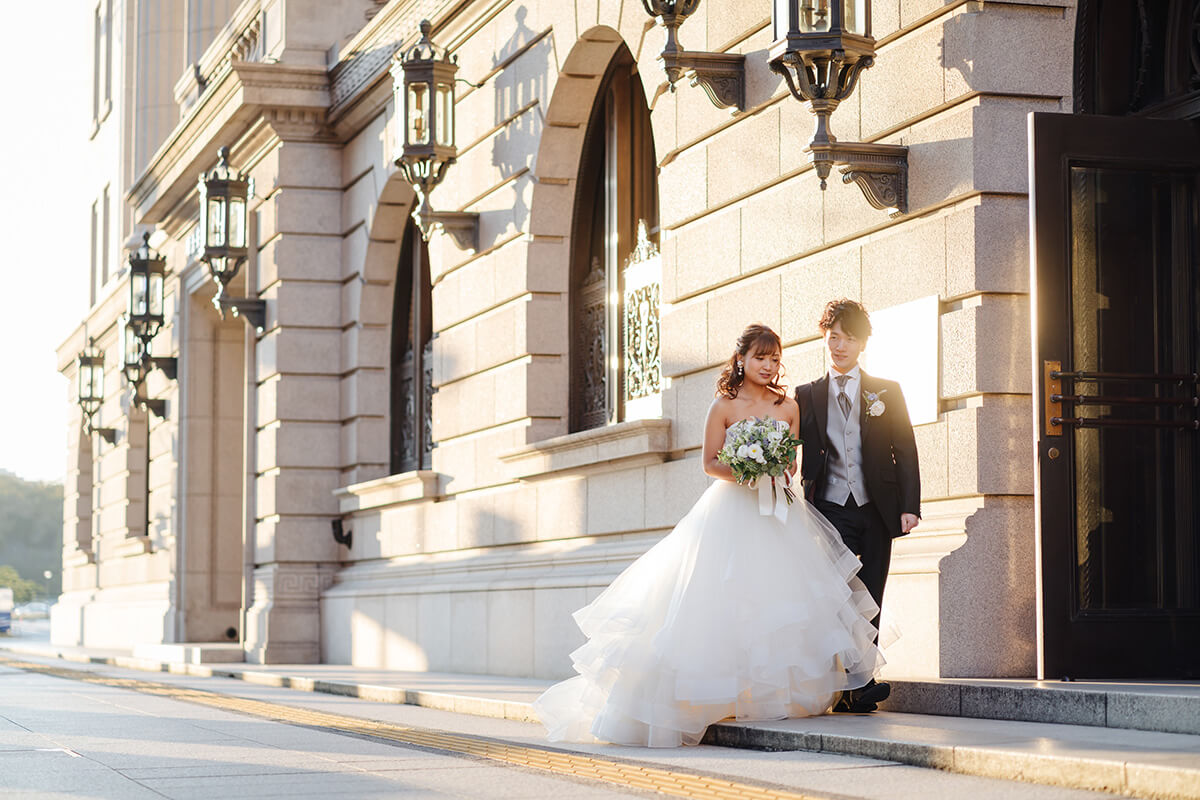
{"points": [[852, 316]]}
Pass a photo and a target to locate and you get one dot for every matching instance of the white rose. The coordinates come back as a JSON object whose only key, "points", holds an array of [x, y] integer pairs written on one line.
{"points": [[742, 451], [877, 408], [774, 437]]}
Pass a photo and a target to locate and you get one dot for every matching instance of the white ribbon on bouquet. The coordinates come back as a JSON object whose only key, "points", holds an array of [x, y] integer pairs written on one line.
{"points": [[770, 494]]}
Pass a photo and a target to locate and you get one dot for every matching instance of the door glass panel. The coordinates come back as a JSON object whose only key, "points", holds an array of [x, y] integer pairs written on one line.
{"points": [[1133, 314]]}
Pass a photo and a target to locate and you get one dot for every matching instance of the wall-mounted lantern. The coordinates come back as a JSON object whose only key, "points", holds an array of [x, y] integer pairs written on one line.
{"points": [[224, 196], [423, 79], [721, 75], [136, 364], [90, 368], [143, 320], [820, 48]]}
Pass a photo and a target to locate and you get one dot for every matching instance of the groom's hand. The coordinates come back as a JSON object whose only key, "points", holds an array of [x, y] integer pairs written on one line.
{"points": [[908, 522]]}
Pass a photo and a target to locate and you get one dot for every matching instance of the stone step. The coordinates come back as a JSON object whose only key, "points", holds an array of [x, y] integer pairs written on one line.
{"points": [[1146, 764], [1163, 706]]}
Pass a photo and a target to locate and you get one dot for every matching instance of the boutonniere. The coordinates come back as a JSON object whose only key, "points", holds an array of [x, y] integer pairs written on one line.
{"points": [[875, 406]]}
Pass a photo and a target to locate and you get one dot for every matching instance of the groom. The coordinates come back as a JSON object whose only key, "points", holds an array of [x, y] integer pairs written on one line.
{"points": [[859, 463]]}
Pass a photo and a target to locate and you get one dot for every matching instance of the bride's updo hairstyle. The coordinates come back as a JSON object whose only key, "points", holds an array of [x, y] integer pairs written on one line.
{"points": [[754, 340]]}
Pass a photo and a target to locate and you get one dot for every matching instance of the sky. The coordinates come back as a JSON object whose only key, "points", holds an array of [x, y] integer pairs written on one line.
{"points": [[44, 227]]}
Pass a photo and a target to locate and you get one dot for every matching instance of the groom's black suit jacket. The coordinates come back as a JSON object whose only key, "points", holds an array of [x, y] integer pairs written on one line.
{"points": [[888, 447]]}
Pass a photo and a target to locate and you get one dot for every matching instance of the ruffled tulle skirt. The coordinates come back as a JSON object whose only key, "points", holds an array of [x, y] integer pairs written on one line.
{"points": [[732, 614]]}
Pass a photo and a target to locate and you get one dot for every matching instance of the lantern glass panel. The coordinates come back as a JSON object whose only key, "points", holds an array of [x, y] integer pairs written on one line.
{"points": [[138, 287], [855, 19], [418, 108], [133, 348], [97, 389], [215, 236], [237, 222], [85, 382], [445, 115], [155, 298], [815, 15]]}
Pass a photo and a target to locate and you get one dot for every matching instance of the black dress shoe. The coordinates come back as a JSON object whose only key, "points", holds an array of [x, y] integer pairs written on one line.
{"points": [[842, 706], [864, 700], [872, 694]]}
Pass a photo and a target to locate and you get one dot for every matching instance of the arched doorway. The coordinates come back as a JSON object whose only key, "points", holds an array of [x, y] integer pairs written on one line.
{"points": [[1115, 190]]}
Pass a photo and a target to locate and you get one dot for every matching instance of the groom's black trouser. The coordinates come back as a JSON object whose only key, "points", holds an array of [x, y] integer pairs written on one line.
{"points": [[863, 531]]}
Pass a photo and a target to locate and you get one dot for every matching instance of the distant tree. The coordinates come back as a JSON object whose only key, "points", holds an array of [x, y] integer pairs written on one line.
{"points": [[31, 530], [23, 590]]}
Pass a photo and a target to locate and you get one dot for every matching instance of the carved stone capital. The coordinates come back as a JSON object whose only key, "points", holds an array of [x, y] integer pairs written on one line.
{"points": [[722, 76], [880, 170], [298, 124]]}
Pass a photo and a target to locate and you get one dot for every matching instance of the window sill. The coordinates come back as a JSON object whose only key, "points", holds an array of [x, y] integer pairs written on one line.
{"points": [[640, 441], [406, 487]]}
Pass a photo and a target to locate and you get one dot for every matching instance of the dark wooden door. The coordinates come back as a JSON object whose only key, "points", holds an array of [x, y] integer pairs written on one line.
{"points": [[1115, 221]]}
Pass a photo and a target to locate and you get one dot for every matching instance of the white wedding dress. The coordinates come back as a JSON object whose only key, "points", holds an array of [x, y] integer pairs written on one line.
{"points": [[732, 614]]}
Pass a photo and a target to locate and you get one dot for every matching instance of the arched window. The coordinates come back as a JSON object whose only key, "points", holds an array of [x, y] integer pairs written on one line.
{"points": [[412, 363], [617, 191]]}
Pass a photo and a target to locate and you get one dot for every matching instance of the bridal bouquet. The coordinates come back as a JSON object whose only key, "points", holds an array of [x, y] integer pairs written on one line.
{"points": [[756, 448]]}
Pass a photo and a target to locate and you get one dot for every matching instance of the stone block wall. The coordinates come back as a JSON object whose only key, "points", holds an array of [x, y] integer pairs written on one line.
{"points": [[747, 235], [476, 563]]}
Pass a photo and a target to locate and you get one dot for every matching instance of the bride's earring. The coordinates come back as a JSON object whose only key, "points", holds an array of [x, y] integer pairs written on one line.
{"points": [[739, 368]]}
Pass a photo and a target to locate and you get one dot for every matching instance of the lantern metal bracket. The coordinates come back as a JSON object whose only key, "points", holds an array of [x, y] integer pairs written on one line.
{"points": [[823, 79], [880, 170], [722, 76], [341, 535], [462, 226], [250, 309]]}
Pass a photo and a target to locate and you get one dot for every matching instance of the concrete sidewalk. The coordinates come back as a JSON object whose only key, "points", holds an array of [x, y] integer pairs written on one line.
{"points": [[1137, 739]]}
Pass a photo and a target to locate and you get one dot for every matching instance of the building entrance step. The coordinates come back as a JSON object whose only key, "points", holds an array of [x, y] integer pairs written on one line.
{"points": [[1163, 706]]}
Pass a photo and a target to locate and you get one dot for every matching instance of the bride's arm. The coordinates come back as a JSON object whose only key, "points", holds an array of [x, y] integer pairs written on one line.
{"points": [[794, 422], [714, 440]]}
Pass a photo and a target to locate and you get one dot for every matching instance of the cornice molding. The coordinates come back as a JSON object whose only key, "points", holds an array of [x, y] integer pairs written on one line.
{"points": [[292, 100]]}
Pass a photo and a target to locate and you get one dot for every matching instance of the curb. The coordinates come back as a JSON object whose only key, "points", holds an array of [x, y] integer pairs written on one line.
{"points": [[1138, 779]]}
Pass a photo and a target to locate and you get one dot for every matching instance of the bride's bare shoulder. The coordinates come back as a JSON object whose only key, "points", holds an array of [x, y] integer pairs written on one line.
{"points": [[721, 405]]}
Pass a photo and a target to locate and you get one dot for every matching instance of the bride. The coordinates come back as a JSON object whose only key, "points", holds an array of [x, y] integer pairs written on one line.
{"points": [[735, 613]]}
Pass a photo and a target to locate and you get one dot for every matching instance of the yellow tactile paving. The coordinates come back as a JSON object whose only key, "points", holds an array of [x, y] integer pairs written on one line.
{"points": [[654, 779]]}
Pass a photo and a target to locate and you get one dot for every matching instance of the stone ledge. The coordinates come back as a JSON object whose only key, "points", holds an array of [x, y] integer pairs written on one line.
{"points": [[79, 558], [624, 444], [133, 546], [405, 487]]}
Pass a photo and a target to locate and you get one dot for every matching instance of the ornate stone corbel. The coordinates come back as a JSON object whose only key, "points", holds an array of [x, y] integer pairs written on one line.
{"points": [[253, 310], [462, 226], [722, 76], [880, 170]]}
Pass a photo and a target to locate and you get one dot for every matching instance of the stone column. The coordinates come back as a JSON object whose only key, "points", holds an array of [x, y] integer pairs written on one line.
{"points": [[297, 368]]}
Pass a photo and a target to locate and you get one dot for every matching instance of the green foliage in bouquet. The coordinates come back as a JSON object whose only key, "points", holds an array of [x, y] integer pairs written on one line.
{"points": [[758, 446]]}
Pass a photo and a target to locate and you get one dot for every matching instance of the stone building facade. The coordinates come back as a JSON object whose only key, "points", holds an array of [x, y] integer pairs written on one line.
{"points": [[488, 473]]}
